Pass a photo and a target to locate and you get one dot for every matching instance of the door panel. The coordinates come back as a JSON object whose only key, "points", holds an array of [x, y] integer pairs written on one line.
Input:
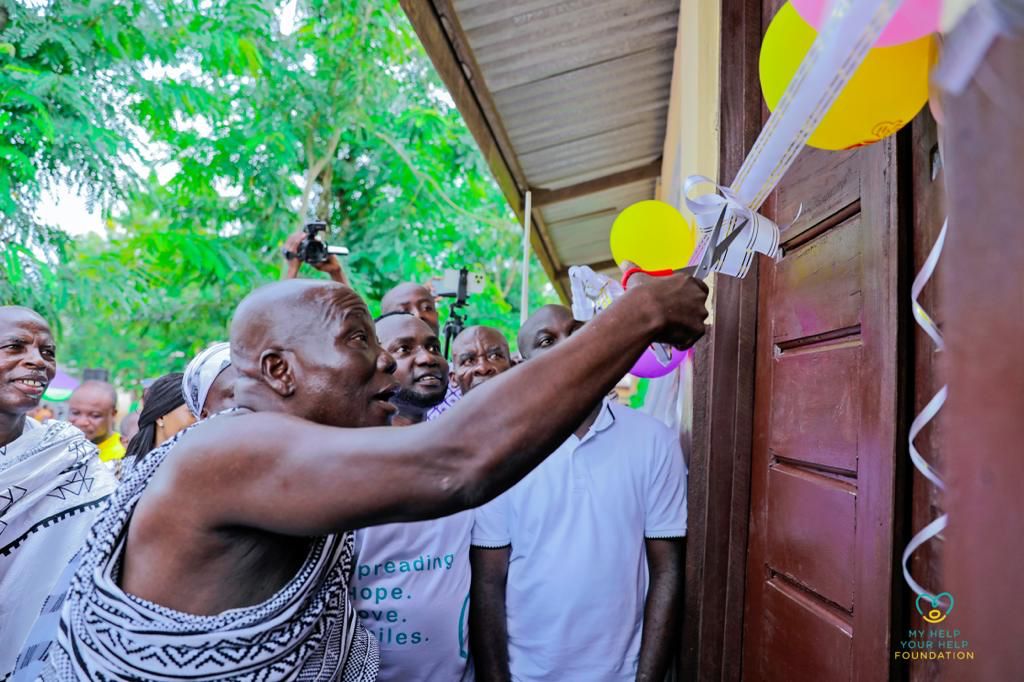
{"points": [[821, 185], [810, 537], [807, 640], [818, 285], [819, 383]]}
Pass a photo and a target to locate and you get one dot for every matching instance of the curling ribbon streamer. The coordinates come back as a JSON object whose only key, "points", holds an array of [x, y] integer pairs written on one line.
{"points": [[842, 43], [930, 410]]}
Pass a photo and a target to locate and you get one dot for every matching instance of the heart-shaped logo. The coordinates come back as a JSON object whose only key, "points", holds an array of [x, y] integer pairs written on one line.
{"points": [[935, 614]]}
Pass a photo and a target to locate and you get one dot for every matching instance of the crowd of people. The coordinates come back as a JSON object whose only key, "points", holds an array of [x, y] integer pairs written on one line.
{"points": [[327, 497]]}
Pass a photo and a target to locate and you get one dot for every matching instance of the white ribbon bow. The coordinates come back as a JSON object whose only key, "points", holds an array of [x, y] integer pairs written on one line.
{"points": [[759, 235]]}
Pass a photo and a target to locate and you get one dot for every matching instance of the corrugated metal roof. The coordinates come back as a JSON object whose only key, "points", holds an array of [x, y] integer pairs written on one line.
{"points": [[581, 226], [574, 91]]}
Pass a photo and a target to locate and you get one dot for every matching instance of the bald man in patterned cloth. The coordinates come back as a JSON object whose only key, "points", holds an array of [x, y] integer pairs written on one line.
{"points": [[227, 553]]}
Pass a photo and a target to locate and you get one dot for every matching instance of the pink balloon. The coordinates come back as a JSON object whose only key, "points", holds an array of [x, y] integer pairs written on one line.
{"points": [[648, 367], [914, 19]]}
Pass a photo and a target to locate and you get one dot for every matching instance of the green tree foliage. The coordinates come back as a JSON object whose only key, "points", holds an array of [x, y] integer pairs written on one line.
{"points": [[212, 130], [58, 126]]}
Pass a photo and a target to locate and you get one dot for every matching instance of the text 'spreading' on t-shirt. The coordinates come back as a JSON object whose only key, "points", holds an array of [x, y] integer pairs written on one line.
{"points": [[577, 575], [411, 588]]}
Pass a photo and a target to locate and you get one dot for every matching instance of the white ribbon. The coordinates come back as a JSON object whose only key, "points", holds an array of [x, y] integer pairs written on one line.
{"points": [[920, 314], [850, 30], [759, 235], [930, 410], [923, 536]]}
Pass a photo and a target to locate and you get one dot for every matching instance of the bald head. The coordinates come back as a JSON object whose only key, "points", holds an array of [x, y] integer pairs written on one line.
{"points": [[412, 298], [10, 314], [28, 361], [394, 326], [546, 327], [92, 408], [308, 348], [100, 389], [478, 354], [285, 313]]}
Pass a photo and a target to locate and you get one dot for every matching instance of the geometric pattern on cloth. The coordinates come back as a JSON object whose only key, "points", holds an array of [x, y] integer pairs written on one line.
{"points": [[52, 486], [307, 631], [11, 495]]}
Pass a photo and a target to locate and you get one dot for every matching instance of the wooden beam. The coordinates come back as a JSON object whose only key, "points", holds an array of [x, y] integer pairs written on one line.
{"points": [[439, 32], [648, 171]]}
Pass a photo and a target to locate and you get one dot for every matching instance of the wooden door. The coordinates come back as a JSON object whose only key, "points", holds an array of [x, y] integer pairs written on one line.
{"points": [[826, 409]]}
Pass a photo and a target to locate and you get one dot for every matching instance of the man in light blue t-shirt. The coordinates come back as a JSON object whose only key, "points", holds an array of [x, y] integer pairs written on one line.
{"points": [[411, 580], [577, 569]]}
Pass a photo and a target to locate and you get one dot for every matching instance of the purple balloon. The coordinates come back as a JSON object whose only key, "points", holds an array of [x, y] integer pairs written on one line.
{"points": [[648, 367]]}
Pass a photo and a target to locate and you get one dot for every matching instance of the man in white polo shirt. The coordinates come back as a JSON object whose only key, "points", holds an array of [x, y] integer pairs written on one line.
{"points": [[578, 569], [411, 580]]}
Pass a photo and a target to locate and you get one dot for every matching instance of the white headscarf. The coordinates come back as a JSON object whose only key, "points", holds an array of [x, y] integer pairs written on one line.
{"points": [[202, 372]]}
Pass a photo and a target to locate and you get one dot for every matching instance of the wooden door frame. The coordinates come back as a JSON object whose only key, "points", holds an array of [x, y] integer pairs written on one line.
{"points": [[720, 439]]}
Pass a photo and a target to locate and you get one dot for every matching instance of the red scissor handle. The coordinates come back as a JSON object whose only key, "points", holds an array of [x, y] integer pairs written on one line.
{"points": [[653, 273]]}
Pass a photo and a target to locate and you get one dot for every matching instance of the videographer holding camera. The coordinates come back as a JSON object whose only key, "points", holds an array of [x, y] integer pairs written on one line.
{"points": [[305, 246]]}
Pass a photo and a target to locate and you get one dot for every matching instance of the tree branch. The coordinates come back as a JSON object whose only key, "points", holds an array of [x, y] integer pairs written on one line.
{"points": [[423, 177]]}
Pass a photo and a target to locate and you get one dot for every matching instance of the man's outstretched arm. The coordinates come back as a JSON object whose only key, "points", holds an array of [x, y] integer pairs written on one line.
{"points": [[663, 608], [488, 628], [287, 475]]}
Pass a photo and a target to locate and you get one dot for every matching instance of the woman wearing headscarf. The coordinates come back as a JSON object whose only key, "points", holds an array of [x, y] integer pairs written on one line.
{"points": [[163, 414], [209, 381]]}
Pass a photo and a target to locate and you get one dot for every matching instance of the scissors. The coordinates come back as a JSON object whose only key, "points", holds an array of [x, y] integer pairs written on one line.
{"points": [[715, 250], [712, 255]]}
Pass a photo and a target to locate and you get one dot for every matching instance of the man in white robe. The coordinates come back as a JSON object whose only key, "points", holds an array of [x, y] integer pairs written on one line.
{"points": [[51, 483]]}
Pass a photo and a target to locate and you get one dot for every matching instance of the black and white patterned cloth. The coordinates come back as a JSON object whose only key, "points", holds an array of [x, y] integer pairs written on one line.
{"points": [[308, 631], [52, 485]]}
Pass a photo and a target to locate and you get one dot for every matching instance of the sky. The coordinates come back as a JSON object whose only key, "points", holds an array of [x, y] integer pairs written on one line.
{"points": [[65, 209]]}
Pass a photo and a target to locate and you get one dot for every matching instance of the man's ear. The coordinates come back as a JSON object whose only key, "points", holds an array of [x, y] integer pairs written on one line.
{"points": [[276, 372], [451, 379]]}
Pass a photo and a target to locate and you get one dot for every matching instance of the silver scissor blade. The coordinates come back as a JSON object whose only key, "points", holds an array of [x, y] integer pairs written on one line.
{"points": [[709, 253], [722, 248]]}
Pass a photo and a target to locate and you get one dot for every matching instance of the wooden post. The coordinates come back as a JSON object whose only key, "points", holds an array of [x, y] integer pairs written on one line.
{"points": [[982, 286], [524, 300]]}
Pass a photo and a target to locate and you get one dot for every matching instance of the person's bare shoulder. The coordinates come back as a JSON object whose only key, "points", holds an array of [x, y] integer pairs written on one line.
{"points": [[207, 465]]}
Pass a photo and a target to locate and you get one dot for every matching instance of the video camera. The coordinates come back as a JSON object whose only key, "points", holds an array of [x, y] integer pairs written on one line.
{"points": [[312, 249]]}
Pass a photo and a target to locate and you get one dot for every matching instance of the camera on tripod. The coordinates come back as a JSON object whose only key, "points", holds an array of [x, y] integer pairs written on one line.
{"points": [[458, 284], [312, 249]]}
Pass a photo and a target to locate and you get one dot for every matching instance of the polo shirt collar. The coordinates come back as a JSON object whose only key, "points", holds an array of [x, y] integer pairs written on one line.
{"points": [[605, 420]]}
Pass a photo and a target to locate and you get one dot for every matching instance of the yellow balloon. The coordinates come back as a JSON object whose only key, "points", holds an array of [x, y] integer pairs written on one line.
{"points": [[653, 235], [885, 93]]}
